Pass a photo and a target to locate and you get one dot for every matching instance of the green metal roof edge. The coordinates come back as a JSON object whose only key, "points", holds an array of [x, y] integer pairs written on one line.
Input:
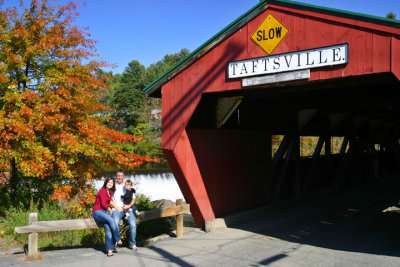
{"points": [[327, 10], [344, 13]]}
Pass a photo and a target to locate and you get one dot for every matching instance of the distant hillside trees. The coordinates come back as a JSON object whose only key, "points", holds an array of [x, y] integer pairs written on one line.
{"points": [[132, 108], [391, 15]]}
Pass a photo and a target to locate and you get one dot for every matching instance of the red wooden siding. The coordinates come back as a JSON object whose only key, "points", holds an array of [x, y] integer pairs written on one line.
{"points": [[186, 160], [395, 60], [369, 52], [224, 168], [200, 169]]}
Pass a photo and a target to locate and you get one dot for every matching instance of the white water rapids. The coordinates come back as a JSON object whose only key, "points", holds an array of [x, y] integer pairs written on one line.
{"points": [[154, 185]]}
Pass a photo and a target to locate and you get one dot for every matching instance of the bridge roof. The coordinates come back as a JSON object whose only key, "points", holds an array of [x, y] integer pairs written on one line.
{"points": [[153, 89]]}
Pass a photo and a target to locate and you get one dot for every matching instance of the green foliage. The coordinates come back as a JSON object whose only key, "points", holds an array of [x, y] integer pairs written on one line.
{"points": [[159, 68], [51, 211], [33, 189], [151, 228], [4, 200], [133, 107], [129, 98], [112, 81], [86, 237], [47, 211], [148, 229], [391, 15]]}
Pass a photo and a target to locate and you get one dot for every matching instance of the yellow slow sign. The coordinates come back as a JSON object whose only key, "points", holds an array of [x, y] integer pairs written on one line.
{"points": [[269, 34]]}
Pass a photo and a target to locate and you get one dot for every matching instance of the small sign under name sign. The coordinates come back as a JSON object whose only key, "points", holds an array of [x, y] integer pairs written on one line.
{"points": [[304, 59], [277, 78]]}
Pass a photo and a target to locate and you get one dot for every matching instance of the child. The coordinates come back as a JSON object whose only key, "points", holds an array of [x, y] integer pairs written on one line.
{"points": [[129, 198]]}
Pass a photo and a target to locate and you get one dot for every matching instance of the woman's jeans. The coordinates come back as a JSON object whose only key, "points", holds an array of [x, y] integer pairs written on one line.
{"points": [[117, 216], [110, 229]]}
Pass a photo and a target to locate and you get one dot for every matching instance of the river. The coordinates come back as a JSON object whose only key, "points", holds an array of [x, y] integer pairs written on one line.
{"points": [[154, 185]]}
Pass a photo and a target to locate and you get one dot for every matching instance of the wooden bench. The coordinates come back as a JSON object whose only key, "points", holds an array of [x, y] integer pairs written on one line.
{"points": [[36, 226]]}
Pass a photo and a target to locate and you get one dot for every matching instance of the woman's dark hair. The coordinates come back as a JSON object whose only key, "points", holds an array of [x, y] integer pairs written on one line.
{"points": [[112, 190]]}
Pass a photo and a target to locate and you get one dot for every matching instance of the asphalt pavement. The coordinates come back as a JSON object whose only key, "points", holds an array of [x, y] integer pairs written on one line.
{"points": [[359, 228]]}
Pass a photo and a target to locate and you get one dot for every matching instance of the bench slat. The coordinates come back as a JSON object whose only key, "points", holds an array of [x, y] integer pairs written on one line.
{"points": [[61, 225], [160, 213], [77, 224]]}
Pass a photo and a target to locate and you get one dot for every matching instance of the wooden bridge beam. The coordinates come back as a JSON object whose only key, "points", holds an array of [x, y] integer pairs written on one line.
{"points": [[281, 174]]}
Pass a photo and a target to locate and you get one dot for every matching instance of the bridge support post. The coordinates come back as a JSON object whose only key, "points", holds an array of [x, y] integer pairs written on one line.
{"points": [[281, 176]]}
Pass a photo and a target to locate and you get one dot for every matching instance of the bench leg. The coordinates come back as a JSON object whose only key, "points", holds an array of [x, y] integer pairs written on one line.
{"points": [[179, 220], [33, 248]]}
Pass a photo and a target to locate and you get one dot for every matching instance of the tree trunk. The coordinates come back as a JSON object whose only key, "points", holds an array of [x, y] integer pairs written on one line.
{"points": [[13, 182]]}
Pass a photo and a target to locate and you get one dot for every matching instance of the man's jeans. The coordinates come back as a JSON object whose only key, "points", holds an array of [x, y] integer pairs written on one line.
{"points": [[117, 216], [110, 229]]}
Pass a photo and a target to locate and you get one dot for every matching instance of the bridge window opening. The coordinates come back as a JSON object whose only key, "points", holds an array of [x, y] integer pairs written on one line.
{"points": [[336, 144], [276, 141], [377, 147], [308, 145]]}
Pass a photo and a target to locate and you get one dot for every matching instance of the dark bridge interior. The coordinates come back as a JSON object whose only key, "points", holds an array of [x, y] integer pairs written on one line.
{"points": [[364, 112], [350, 186], [372, 101]]}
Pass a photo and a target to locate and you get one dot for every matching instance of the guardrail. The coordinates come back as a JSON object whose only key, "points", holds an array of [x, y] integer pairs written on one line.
{"points": [[36, 226]]}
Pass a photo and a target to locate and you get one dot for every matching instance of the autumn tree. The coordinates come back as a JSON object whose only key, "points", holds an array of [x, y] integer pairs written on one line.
{"points": [[50, 116]]}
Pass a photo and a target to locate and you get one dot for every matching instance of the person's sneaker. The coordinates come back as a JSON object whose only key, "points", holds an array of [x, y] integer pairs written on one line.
{"points": [[127, 216], [133, 247], [137, 213]]}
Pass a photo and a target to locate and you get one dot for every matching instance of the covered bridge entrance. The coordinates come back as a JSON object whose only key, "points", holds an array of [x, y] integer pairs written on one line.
{"points": [[236, 110]]}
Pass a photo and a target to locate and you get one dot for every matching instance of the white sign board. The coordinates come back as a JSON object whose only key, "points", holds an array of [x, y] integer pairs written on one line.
{"points": [[276, 78], [304, 59]]}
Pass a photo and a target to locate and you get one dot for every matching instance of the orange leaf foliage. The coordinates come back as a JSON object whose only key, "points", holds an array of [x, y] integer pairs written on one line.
{"points": [[50, 117]]}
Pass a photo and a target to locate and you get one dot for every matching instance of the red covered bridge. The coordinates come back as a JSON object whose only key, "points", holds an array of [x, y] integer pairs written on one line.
{"points": [[290, 69]]}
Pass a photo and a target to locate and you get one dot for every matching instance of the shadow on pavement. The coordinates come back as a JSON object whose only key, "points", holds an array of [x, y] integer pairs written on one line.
{"points": [[272, 259], [170, 257], [365, 219]]}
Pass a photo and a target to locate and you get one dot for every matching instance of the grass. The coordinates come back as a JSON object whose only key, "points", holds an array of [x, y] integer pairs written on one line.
{"points": [[16, 217], [51, 211]]}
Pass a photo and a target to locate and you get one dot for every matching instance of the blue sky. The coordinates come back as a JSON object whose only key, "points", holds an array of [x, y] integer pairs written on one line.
{"points": [[147, 30]]}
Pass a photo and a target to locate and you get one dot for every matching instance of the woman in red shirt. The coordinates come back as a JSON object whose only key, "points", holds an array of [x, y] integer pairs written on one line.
{"points": [[102, 214]]}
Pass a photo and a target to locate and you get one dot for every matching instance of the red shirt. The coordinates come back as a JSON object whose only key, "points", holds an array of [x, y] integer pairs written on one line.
{"points": [[102, 200]]}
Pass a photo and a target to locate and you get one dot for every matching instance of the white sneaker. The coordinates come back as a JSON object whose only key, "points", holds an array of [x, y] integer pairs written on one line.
{"points": [[134, 248], [137, 213], [127, 215]]}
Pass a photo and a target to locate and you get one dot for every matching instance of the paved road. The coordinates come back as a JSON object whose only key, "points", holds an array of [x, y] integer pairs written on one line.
{"points": [[349, 229]]}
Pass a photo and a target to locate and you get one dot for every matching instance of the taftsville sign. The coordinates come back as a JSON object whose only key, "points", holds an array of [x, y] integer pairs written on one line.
{"points": [[303, 59]]}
